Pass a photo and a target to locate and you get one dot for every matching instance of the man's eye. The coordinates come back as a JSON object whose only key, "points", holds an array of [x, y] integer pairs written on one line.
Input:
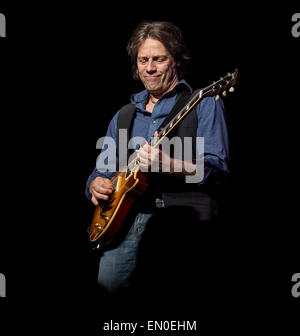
{"points": [[142, 60], [161, 59]]}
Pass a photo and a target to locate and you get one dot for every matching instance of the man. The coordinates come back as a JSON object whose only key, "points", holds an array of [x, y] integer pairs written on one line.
{"points": [[159, 59]]}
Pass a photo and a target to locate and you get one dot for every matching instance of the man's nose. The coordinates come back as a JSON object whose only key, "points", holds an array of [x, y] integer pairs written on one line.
{"points": [[151, 68]]}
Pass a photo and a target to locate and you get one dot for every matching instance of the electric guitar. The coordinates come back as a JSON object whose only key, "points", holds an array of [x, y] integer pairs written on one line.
{"points": [[131, 182]]}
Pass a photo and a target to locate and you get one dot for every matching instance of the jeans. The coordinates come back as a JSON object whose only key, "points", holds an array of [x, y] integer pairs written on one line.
{"points": [[116, 265]]}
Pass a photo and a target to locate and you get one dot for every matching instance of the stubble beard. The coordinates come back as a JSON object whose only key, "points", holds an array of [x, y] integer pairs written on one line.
{"points": [[163, 85]]}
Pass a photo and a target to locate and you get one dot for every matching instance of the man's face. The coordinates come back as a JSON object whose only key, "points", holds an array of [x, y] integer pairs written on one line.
{"points": [[156, 67]]}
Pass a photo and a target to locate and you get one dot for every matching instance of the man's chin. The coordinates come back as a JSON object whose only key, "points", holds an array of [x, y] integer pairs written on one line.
{"points": [[154, 90]]}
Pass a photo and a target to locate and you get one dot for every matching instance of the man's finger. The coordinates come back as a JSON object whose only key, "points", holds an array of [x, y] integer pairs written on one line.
{"points": [[94, 200], [103, 189], [98, 195]]}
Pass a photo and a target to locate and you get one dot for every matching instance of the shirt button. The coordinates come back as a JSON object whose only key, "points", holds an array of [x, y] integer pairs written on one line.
{"points": [[154, 122]]}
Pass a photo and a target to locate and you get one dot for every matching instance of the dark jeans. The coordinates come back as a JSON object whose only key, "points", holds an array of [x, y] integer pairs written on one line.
{"points": [[117, 264]]}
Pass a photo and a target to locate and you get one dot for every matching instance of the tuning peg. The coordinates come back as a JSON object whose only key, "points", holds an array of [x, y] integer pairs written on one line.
{"points": [[224, 93], [231, 89], [217, 97]]}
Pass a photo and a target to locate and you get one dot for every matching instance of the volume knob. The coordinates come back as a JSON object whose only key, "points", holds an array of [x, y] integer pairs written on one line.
{"points": [[98, 226]]}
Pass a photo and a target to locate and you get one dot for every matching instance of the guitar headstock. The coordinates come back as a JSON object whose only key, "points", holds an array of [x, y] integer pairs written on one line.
{"points": [[224, 83]]}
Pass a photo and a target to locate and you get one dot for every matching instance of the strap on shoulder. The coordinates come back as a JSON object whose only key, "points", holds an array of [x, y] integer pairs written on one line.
{"points": [[125, 118]]}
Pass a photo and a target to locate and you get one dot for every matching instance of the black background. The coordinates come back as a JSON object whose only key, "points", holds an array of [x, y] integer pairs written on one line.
{"points": [[64, 73]]}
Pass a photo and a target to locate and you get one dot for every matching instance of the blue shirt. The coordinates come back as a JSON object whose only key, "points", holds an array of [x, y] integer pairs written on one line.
{"points": [[211, 126]]}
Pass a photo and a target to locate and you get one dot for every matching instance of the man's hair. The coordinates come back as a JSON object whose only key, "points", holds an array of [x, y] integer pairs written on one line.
{"points": [[165, 32]]}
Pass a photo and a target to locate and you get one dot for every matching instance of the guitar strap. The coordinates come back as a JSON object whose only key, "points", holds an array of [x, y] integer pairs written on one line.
{"points": [[124, 121]]}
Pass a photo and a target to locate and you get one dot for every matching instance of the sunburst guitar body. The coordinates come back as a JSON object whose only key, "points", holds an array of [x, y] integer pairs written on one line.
{"points": [[109, 215]]}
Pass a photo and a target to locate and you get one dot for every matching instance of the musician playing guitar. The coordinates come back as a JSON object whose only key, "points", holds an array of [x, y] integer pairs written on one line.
{"points": [[159, 57]]}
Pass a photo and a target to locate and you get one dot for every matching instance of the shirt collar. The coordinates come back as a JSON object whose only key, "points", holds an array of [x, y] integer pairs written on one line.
{"points": [[142, 96]]}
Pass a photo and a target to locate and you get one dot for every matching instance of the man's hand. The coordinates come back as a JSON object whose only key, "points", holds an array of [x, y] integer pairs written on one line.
{"points": [[153, 159], [100, 189], [156, 160]]}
